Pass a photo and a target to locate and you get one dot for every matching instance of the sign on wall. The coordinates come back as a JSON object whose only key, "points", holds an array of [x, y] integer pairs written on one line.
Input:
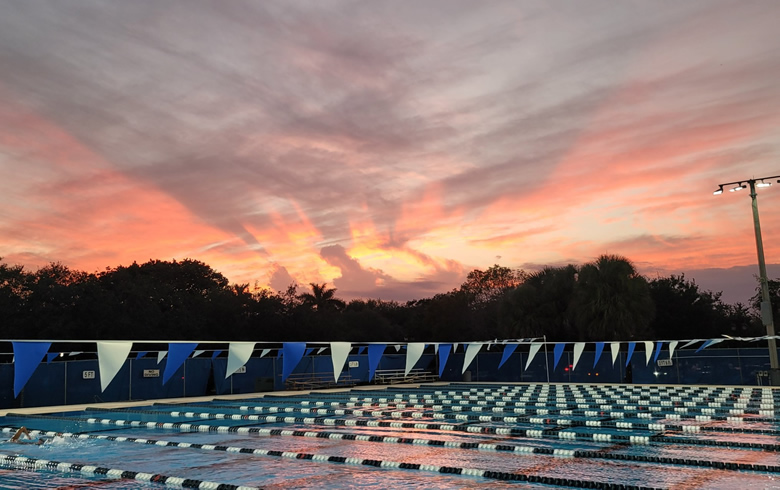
{"points": [[151, 373], [88, 375]]}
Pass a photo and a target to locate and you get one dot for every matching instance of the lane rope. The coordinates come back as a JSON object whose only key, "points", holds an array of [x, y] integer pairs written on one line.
{"points": [[34, 464], [476, 472], [530, 433]]}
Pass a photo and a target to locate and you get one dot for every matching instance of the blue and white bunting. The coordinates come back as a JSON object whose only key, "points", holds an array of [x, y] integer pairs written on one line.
{"points": [[471, 352], [414, 351], [535, 346], [111, 358], [578, 348]]}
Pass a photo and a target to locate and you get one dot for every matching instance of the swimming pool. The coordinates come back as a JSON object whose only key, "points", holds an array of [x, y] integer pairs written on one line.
{"points": [[432, 436]]}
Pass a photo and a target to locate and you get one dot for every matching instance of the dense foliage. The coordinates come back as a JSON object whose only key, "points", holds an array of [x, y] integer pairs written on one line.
{"points": [[601, 300]]}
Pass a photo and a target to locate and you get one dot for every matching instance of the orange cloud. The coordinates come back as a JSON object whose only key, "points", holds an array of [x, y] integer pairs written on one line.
{"points": [[89, 215]]}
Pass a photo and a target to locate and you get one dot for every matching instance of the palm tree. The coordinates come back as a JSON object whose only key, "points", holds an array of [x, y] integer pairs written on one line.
{"points": [[322, 298], [539, 306], [612, 301]]}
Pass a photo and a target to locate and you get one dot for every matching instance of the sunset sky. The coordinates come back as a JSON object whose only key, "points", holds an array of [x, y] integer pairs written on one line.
{"points": [[389, 147]]}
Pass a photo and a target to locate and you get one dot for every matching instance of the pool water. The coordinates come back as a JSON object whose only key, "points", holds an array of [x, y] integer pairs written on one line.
{"points": [[437, 436]]}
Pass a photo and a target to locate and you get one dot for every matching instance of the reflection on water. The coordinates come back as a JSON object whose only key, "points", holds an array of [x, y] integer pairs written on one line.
{"points": [[554, 423], [32, 480]]}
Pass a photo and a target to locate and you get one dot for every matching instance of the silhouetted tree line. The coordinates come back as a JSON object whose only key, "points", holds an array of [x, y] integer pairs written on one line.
{"points": [[601, 300]]}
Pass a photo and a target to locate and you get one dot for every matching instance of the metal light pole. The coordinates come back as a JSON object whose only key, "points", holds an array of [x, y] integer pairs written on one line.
{"points": [[766, 304]]}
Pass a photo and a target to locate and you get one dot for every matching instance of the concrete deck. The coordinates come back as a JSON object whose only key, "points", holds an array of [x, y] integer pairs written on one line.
{"points": [[199, 399]]}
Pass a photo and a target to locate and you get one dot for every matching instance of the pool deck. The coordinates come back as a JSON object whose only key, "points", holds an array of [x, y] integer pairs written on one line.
{"points": [[197, 399]]}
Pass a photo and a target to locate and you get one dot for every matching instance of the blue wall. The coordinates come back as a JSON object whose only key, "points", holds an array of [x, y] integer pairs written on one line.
{"points": [[712, 366], [62, 383]]}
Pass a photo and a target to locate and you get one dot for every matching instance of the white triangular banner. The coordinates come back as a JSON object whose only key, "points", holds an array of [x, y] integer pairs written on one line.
{"points": [[535, 346], [615, 348], [264, 352], [197, 353], [397, 347], [690, 342], [454, 347], [339, 351], [578, 348], [471, 352], [649, 345], [414, 351], [435, 348], [161, 355], [238, 354], [75, 353], [672, 346], [321, 350], [111, 358]]}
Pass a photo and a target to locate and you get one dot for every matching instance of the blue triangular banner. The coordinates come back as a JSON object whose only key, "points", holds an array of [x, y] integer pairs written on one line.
{"points": [[444, 354], [558, 353], [599, 350], [50, 356], [704, 345], [140, 354], [658, 346], [361, 350], [509, 349], [631, 347], [27, 356], [177, 354], [293, 353], [375, 352], [309, 351], [215, 354]]}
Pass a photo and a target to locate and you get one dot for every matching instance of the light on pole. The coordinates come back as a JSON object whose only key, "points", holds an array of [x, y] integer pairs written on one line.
{"points": [[766, 304]]}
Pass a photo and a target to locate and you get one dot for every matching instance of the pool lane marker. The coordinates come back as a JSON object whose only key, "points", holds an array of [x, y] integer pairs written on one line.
{"points": [[554, 405], [629, 410], [187, 483], [565, 453], [705, 395], [531, 433], [550, 421], [559, 391], [561, 403], [34, 464], [523, 412], [717, 398]]}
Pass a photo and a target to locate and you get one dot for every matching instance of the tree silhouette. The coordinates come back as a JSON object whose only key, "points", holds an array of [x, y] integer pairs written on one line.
{"points": [[612, 301], [541, 305], [322, 298], [485, 287], [602, 300]]}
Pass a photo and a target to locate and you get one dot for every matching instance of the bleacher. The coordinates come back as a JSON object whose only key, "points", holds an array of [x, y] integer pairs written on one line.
{"points": [[394, 376], [313, 381]]}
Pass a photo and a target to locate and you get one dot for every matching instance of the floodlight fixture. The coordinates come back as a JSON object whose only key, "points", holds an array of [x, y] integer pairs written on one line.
{"points": [[719, 191], [763, 184]]}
